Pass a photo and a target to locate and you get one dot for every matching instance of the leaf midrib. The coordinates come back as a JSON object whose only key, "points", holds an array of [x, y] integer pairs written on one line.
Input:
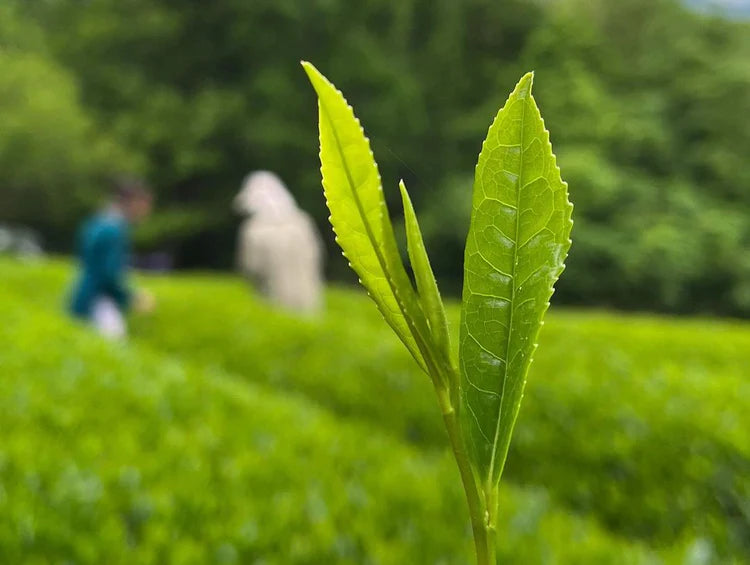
{"points": [[353, 189], [378, 253], [512, 293]]}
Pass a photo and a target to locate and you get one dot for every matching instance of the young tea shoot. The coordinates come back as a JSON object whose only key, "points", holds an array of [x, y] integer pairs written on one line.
{"points": [[515, 251]]}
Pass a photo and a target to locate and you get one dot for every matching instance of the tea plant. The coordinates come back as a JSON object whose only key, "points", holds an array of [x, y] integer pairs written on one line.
{"points": [[517, 242]]}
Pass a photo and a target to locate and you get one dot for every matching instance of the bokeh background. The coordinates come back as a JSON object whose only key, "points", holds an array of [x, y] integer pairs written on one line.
{"points": [[226, 432]]}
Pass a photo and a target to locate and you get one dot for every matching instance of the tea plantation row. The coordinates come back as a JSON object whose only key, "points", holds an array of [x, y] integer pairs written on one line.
{"points": [[116, 454], [161, 451], [642, 422]]}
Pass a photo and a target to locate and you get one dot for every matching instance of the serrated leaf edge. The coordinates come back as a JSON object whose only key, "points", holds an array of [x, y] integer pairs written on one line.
{"points": [[411, 318], [535, 335]]}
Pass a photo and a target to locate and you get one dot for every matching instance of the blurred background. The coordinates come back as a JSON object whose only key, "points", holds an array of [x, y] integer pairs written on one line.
{"points": [[228, 432], [647, 102]]}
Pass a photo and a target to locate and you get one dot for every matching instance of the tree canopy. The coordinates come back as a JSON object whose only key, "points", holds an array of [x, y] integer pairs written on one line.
{"points": [[646, 100]]}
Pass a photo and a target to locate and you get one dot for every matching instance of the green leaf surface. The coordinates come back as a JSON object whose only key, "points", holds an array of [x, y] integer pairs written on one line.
{"points": [[429, 295], [359, 215], [518, 240]]}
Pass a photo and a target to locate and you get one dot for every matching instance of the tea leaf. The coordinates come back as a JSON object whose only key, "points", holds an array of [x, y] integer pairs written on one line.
{"points": [[359, 215], [517, 242], [429, 295]]}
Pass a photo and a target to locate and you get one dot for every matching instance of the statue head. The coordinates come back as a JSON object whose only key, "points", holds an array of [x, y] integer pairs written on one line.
{"points": [[264, 194]]}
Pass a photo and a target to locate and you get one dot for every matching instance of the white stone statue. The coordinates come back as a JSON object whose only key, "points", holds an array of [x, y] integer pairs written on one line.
{"points": [[279, 247]]}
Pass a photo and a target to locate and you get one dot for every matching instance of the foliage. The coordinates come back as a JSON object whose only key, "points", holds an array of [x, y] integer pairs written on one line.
{"points": [[639, 382], [517, 242], [647, 135], [51, 156], [647, 127], [515, 248], [360, 219], [122, 454], [656, 391]]}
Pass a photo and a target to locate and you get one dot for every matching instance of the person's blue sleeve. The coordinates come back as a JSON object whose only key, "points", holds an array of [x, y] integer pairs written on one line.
{"points": [[114, 257]]}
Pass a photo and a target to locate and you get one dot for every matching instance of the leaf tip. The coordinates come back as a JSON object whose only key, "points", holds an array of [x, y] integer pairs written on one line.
{"points": [[309, 68], [523, 88], [316, 78], [402, 188]]}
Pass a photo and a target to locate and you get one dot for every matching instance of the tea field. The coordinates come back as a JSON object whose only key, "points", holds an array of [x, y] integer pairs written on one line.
{"points": [[227, 432]]}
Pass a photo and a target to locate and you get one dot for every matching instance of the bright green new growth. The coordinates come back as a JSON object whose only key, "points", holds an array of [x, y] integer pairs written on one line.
{"points": [[518, 240]]}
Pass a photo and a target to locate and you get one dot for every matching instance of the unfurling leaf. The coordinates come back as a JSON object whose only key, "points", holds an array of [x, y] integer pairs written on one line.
{"points": [[517, 243], [429, 295]]}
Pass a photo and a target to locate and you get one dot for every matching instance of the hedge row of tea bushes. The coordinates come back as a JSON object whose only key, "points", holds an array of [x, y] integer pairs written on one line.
{"points": [[644, 419], [119, 454], [641, 422]]}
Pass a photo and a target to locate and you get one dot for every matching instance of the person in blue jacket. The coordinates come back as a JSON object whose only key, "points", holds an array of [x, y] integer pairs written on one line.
{"points": [[101, 294]]}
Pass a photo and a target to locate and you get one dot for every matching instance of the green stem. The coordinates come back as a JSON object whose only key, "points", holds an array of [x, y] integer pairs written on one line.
{"points": [[481, 526]]}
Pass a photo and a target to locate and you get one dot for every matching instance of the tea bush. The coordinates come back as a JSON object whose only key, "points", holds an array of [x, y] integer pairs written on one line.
{"points": [[117, 454], [645, 418], [636, 421]]}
